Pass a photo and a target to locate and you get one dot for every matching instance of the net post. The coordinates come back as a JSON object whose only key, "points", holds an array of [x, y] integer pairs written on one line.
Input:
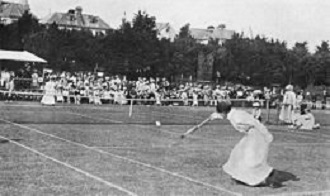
{"points": [[130, 108], [268, 110]]}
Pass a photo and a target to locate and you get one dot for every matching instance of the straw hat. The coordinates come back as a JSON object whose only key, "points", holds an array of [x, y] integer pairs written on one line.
{"points": [[256, 104], [289, 87]]}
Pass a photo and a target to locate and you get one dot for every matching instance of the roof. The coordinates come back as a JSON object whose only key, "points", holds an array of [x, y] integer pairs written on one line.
{"points": [[20, 56], [165, 30], [218, 33], [12, 10], [162, 26], [76, 20]]}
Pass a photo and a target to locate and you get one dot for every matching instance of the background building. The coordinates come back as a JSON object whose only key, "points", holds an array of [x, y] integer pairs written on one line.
{"points": [[11, 11], [75, 19], [220, 33], [165, 30]]}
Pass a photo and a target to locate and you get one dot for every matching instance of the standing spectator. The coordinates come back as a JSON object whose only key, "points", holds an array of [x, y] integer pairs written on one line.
{"points": [[106, 94], [5, 77], [132, 94], [158, 98], [90, 92], [313, 100], [11, 87], [2, 77], [66, 89], [309, 99], [184, 97], [49, 96], [97, 93], [289, 102], [195, 98], [59, 91], [35, 79], [299, 98], [324, 101], [205, 94]]}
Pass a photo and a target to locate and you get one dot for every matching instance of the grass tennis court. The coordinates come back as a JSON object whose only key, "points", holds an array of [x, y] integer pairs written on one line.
{"points": [[89, 150]]}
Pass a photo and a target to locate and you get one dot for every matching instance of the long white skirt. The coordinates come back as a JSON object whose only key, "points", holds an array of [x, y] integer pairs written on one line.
{"points": [[48, 100], [248, 160], [59, 96], [286, 113]]}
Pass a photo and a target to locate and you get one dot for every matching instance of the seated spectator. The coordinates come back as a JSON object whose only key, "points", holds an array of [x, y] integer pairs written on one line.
{"points": [[257, 110], [158, 97], [305, 120], [299, 99], [97, 88], [195, 98]]}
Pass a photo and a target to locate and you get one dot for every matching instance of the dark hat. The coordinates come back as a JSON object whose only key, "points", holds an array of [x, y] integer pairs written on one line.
{"points": [[223, 106]]}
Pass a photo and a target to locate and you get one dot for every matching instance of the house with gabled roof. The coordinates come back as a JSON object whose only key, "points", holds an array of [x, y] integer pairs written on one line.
{"points": [[220, 33], [74, 19], [11, 11], [165, 31]]}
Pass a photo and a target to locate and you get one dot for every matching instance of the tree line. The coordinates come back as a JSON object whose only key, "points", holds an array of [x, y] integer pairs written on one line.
{"points": [[134, 50]]}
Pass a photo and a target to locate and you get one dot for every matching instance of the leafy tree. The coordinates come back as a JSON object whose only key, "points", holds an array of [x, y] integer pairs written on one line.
{"points": [[135, 50]]}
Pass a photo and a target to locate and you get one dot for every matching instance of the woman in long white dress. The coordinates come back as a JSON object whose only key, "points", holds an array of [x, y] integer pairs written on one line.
{"points": [[288, 105], [248, 160], [50, 92]]}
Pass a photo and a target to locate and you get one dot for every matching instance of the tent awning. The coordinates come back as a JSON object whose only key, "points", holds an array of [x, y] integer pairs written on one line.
{"points": [[20, 56]]}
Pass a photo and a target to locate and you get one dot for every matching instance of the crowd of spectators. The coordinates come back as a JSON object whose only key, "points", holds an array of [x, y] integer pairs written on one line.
{"points": [[83, 87], [87, 87]]}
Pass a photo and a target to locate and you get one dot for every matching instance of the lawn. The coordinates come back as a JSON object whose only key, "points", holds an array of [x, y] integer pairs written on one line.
{"points": [[90, 150]]}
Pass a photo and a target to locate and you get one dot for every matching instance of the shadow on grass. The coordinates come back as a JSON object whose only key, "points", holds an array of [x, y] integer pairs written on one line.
{"points": [[275, 179], [7, 141], [284, 176]]}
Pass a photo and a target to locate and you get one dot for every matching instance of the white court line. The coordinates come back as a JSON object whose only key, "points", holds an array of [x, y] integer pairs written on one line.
{"points": [[171, 114], [197, 137], [221, 189], [31, 106], [208, 145], [82, 115], [301, 193], [72, 167], [203, 138], [309, 136], [298, 133], [162, 130]]}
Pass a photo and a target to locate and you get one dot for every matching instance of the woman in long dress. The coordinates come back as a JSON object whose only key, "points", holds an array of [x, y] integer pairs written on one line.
{"points": [[50, 92], [248, 160], [289, 103]]}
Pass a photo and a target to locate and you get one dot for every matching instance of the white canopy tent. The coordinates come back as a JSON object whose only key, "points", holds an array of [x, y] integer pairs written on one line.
{"points": [[20, 56]]}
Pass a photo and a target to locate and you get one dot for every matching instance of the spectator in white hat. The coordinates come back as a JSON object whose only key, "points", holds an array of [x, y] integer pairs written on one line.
{"points": [[288, 105], [257, 111]]}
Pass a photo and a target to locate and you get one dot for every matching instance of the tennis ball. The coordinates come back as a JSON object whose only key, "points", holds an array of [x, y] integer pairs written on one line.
{"points": [[158, 123]]}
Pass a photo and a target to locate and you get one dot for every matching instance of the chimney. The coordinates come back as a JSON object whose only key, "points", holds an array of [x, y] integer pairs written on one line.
{"points": [[25, 4], [79, 10], [210, 29], [221, 26]]}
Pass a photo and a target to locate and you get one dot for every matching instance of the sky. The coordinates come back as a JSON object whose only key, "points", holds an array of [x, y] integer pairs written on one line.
{"points": [[287, 20]]}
